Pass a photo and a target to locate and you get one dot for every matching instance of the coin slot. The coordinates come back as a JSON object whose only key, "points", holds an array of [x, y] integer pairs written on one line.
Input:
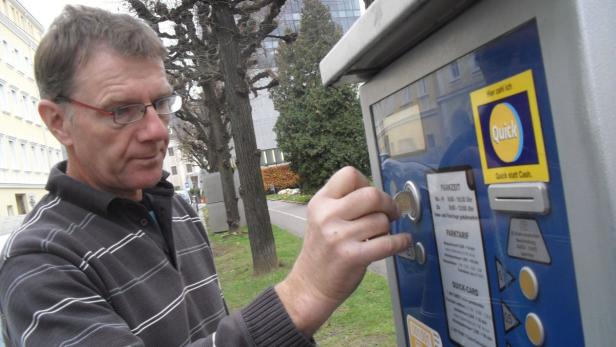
{"points": [[409, 202]]}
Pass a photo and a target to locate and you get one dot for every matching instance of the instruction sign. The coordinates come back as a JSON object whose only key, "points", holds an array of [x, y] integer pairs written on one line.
{"points": [[461, 259], [421, 335], [508, 128]]}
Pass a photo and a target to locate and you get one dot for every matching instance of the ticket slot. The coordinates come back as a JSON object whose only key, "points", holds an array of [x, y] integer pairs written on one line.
{"points": [[529, 197]]}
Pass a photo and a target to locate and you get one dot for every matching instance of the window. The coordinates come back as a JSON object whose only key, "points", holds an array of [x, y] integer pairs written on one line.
{"points": [[421, 87], [25, 107], [174, 170], [41, 159], [474, 63], [270, 156], [32, 162], [26, 65], [50, 161], [23, 155], [15, 60], [13, 153], [5, 51], [279, 158], [189, 168], [34, 111], [4, 105], [455, 70], [170, 149], [14, 102]]}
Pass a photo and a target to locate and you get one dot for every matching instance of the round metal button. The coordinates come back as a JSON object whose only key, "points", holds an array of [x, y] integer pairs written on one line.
{"points": [[409, 253], [528, 283], [534, 329], [420, 253], [409, 201]]}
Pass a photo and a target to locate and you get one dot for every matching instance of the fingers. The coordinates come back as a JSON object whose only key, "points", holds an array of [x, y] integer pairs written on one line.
{"points": [[368, 227], [384, 246], [365, 201], [343, 182]]}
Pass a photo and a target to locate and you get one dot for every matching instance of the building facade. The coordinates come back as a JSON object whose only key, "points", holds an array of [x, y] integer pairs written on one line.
{"points": [[264, 116], [183, 174], [27, 148]]}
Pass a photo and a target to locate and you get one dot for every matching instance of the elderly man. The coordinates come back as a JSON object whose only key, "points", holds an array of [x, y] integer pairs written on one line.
{"points": [[112, 257]]}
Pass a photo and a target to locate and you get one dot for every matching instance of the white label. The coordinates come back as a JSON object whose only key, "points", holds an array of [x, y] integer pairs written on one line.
{"points": [[526, 241], [461, 259], [421, 335]]}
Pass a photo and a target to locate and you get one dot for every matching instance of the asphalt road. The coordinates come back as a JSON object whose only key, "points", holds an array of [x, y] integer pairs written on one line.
{"points": [[292, 217]]}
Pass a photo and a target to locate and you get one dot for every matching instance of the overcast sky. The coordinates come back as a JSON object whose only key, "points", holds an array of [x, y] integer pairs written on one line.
{"points": [[45, 11]]}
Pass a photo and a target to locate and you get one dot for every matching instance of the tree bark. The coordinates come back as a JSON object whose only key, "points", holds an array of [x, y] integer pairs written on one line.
{"points": [[237, 94]]}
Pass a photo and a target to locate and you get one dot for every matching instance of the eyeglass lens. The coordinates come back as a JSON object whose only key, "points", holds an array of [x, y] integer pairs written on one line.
{"points": [[132, 113]]}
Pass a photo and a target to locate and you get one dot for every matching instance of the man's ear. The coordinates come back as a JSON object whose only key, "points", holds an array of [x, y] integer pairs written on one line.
{"points": [[57, 120]]}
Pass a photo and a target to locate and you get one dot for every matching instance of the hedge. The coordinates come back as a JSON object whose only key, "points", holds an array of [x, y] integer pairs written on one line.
{"points": [[279, 177]]}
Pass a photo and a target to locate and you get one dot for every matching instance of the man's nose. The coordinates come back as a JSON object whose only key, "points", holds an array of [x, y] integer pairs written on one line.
{"points": [[154, 127]]}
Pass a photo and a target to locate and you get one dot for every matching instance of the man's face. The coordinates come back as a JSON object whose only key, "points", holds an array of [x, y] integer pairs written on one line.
{"points": [[121, 159]]}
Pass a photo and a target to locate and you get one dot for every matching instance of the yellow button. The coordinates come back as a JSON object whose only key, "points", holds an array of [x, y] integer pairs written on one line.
{"points": [[528, 283], [534, 329]]}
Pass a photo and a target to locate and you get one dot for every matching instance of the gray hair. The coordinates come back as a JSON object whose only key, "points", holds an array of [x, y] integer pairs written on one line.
{"points": [[75, 35]]}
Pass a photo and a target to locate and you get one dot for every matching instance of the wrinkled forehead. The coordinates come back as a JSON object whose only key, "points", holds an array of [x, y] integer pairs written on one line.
{"points": [[103, 58]]}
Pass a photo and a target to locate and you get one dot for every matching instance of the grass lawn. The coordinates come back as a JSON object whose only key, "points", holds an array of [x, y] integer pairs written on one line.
{"points": [[365, 319], [299, 198]]}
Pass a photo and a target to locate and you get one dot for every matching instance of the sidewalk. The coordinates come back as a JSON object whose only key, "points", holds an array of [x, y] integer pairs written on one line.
{"points": [[292, 217]]}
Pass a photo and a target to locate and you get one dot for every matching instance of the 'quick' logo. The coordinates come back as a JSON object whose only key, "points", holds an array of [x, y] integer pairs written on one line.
{"points": [[506, 132]]}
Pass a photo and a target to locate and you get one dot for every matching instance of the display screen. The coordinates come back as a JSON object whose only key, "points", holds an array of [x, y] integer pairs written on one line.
{"points": [[398, 125]]}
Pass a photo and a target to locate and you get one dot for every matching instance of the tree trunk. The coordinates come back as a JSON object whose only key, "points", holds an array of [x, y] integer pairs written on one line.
{"points": [[237, 95]]}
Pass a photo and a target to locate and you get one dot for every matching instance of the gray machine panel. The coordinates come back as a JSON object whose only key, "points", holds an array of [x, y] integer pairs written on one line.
{"points": [[577, 39]]}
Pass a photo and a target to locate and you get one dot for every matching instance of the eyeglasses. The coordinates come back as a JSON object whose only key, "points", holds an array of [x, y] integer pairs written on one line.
{"points": [[165, 106]]}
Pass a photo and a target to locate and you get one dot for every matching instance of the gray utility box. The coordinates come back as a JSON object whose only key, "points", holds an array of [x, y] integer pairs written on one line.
{"points": [[217, 213]]}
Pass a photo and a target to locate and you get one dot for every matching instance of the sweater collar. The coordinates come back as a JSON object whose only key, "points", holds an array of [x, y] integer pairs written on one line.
{"points": [[97, 201]]}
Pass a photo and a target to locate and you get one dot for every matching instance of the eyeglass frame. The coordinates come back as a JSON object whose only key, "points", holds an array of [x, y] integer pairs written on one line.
{"points": [[113, 112]]}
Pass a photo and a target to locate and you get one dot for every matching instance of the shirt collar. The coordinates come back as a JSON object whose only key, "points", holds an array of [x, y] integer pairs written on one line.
{"points": [[97, 201]]}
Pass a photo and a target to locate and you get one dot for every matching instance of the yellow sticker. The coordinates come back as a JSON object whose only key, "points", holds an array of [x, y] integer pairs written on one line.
{"points": [[421, 335], [508, 129]]}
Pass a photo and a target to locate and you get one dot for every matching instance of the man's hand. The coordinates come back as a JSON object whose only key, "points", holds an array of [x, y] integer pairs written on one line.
{"points": [[348, 223]]}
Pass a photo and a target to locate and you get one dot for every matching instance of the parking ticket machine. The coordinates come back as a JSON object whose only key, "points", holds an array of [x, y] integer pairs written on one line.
{"points": [[492, 125]]}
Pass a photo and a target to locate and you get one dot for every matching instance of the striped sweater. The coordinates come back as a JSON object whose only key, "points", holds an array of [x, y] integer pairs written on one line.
{"points": [[87, 268]]}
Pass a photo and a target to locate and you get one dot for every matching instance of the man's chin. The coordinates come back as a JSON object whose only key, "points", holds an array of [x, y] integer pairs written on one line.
{"points": [[149, 179]]}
